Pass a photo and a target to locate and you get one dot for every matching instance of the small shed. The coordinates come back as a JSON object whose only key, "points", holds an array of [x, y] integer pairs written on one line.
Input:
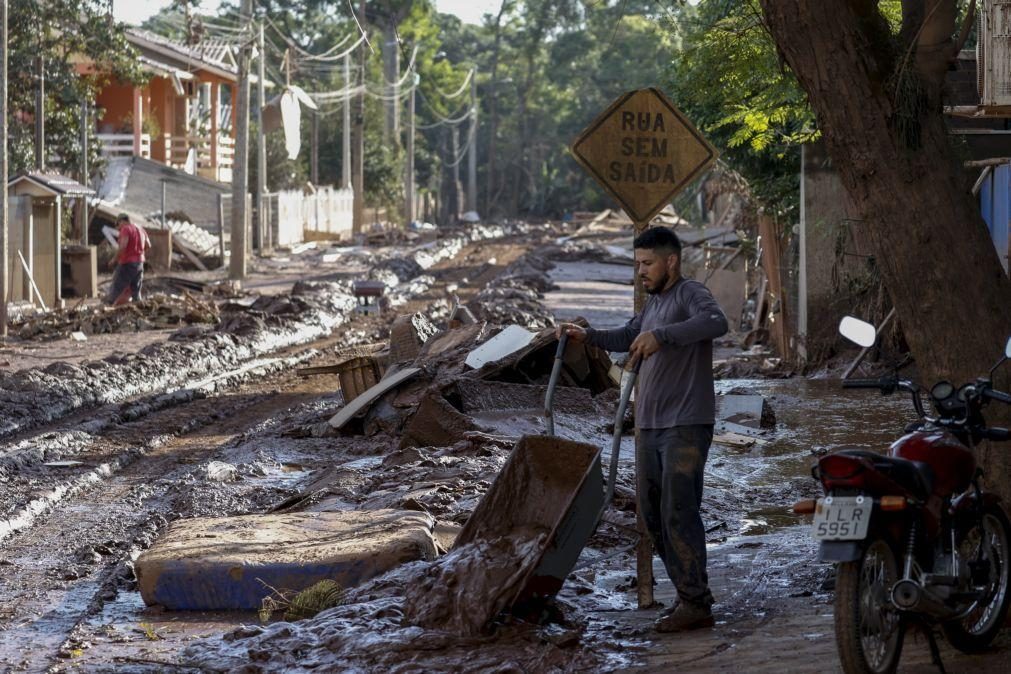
{"points": [[37, 202]]}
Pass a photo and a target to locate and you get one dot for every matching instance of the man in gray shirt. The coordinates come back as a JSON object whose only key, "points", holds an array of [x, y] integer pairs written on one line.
{"points": [[675, 411]]}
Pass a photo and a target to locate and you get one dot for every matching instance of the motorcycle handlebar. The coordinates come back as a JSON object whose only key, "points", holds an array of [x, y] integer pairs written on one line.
{"points": [[997, 395], [862, 383], [998, 434]]}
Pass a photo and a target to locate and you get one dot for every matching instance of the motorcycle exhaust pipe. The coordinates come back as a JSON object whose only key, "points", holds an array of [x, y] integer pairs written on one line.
{"points": [[908, 595]]}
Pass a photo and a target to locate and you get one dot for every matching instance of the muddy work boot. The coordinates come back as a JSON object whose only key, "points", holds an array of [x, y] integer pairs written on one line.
{"points": [[685, 616]]}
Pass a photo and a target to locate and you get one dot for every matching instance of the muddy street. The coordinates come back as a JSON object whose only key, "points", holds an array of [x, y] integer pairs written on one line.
{"points": [[85, 497]]}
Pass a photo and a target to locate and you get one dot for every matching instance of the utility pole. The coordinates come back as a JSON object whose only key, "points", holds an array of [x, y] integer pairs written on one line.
{"points": [[314, 150], [240, 169], [472, 149], [346, 135], [358, 146], [457, 192], [409, 213], [4, 259], [391, 73], [84, 171], [262, 224], [40, 109]]}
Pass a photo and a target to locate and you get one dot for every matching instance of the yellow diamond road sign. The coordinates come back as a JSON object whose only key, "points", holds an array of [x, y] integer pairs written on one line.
{"points": [[643, 151]]}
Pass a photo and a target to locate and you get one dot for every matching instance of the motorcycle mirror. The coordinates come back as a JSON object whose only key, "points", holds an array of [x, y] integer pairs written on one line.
{"points": [[859, 332], [1007, 354]]}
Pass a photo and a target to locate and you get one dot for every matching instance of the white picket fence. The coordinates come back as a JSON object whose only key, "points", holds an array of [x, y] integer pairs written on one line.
{"points": [[329, 211]]}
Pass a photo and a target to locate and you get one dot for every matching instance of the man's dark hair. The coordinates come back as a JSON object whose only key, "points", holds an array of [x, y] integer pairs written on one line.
{"points": [[122, 217], [659, 238]]}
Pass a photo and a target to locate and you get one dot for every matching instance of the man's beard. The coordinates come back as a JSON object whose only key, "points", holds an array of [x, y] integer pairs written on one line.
{"points": [[660, 285]]}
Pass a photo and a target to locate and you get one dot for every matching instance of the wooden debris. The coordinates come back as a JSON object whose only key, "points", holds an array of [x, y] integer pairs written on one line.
{"points": [[190, 255]]}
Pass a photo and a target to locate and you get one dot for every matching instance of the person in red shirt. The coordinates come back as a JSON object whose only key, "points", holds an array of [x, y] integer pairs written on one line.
{"points": [[133, 243]]}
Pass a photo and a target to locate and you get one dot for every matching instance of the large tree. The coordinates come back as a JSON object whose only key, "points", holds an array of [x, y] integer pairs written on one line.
{"points": [[65, 34], [876, 93]]}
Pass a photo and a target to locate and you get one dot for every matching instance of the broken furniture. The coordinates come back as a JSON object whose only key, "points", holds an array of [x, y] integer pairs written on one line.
{"points": [[80, 271], [159, 257], [34, 234], [226, 563]]}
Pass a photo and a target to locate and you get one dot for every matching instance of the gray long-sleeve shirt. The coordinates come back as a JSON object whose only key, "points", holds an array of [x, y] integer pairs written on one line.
{"points": [[676, 382]]}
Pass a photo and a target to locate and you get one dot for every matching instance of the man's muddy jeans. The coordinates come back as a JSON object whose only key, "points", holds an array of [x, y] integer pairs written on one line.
{"points": [[670, 463], [127, 275]]}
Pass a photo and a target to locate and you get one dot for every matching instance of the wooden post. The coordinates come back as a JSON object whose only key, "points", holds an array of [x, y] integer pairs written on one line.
{"points": [[138, 119], [644, 549], [215, 113]]}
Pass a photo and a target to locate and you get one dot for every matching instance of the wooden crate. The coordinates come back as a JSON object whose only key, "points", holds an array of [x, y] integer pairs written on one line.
{"points": [[357, 375]]}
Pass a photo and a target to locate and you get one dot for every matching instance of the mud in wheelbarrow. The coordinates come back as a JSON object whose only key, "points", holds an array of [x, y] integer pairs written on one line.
{"points": [[549, 486]]}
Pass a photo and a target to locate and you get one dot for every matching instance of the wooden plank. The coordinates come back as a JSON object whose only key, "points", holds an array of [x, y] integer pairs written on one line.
{"points": [[31, 279], [362, 402], [644, 548], [760, 303], [182, 248], [863, 352]]}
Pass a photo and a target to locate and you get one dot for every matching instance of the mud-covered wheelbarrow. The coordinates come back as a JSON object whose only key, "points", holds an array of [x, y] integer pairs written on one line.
{"points": [[552, 486]]}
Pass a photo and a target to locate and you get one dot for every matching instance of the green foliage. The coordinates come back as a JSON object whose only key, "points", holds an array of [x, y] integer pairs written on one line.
{"points": [[727, 78], [68, 34], [305, 604]]}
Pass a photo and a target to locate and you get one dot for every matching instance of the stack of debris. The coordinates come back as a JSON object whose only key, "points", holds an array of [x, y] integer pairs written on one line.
{"points": [[514, 297], [154, 312]]}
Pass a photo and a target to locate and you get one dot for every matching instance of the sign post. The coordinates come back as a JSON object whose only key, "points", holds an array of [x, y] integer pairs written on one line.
{"points": [[643, 151]]}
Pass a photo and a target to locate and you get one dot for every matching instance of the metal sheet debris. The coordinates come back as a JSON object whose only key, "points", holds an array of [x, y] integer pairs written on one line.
{"points": [[509, 341], [362, 402]]}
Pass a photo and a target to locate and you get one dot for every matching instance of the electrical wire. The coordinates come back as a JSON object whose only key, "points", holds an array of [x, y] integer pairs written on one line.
{"points": [[458, 92], [325, 56], [360, 29], [443, 120]]}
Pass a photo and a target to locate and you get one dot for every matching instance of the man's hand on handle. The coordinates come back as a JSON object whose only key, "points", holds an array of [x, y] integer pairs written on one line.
{"points": [[574, 332], [644, 346]]}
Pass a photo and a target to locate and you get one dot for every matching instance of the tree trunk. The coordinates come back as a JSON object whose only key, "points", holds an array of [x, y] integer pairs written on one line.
{"points": [[894, 156], [489, 204]]}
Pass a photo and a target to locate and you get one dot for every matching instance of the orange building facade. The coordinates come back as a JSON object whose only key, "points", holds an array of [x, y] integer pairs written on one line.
{"points": [[183, 116]]}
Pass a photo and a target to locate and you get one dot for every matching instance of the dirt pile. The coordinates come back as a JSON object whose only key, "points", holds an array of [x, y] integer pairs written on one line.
{"points": [[414, 618], [463, 591], [41, 395], [514, 297]]}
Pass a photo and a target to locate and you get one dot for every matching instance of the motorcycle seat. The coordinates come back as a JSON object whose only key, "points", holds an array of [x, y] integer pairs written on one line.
{"points": [[916, 476]]}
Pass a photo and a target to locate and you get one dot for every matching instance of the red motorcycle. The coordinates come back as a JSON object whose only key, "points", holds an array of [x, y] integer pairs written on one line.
{"points": [[915, 539]]}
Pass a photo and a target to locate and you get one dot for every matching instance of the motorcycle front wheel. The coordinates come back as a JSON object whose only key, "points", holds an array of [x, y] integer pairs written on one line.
{"points": [[986, 546], [868, 628]]}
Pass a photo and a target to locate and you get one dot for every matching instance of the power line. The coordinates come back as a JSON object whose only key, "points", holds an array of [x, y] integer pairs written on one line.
{"points": [[458, 92]]}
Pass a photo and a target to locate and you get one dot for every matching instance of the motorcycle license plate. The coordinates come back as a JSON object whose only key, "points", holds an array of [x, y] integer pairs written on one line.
{"points": [[842, 518]]}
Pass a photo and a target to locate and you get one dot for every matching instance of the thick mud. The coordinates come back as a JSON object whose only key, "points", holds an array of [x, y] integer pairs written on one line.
{"points": [[254, 445]]}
